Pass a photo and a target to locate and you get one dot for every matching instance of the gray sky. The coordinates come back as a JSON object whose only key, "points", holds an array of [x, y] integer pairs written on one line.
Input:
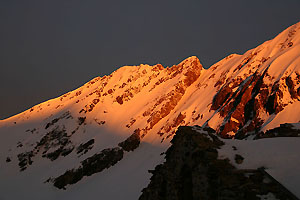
{"points": [[49, 47]]}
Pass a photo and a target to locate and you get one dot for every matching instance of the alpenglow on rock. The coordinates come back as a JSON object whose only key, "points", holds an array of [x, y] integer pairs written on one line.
{"points": [[115, 128]]}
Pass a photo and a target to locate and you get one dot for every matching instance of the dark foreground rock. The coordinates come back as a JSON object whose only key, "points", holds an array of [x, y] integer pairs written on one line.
{"points": [[192, 170]]}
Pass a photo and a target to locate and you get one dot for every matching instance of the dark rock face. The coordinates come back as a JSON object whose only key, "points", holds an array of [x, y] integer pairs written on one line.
{"points": [[61, 151], [241, 101], [284, 130], [8, 159], [238, 107], [192, 170], [221, 97], [98, 162], [132, 142], [51, 123], [238, 159], [81, 120], [25, 159], [291, 87], [273, 104], [119, 99], [65, 115], [94, 164], [57, 139], [85, 147]]}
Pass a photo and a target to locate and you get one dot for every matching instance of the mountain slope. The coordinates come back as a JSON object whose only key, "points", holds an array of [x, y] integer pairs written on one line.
{"points": [[115, 128], [95, 121], [254, 91]]}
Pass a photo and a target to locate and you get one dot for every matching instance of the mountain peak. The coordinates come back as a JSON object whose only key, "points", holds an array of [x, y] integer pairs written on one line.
{"points": [[135, 111], [191, 61]]}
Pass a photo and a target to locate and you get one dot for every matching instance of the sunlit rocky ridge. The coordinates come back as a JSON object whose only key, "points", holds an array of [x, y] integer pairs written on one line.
{"points": [[127, 119]]}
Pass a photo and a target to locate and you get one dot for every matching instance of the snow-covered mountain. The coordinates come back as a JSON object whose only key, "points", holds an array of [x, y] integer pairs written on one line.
{"points": [[102, 138]]}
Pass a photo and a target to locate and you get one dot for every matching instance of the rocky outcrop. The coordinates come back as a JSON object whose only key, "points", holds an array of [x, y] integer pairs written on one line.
{"points": [[192, 170], [238, 108], [85, 147], [259, 85], [170, 127], [66, 115], [25, 159], [54, 144], [57, 139], [237, 96], [284, 130], [132, 142], [94, 164], [192, 71], [242, 102]]}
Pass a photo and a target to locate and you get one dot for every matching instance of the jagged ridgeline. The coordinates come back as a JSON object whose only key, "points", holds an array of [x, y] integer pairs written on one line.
{"points": [[112, 130]]}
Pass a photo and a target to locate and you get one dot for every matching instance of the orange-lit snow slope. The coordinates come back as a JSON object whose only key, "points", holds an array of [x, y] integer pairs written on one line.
{"points": [[240, 96]]}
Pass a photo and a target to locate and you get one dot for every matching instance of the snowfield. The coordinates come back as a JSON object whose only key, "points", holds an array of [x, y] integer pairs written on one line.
{"points": [[277, 155], [136, 111]]}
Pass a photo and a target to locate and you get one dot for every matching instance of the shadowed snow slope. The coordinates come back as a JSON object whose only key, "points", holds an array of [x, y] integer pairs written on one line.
{"points": [[93, 140]]}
